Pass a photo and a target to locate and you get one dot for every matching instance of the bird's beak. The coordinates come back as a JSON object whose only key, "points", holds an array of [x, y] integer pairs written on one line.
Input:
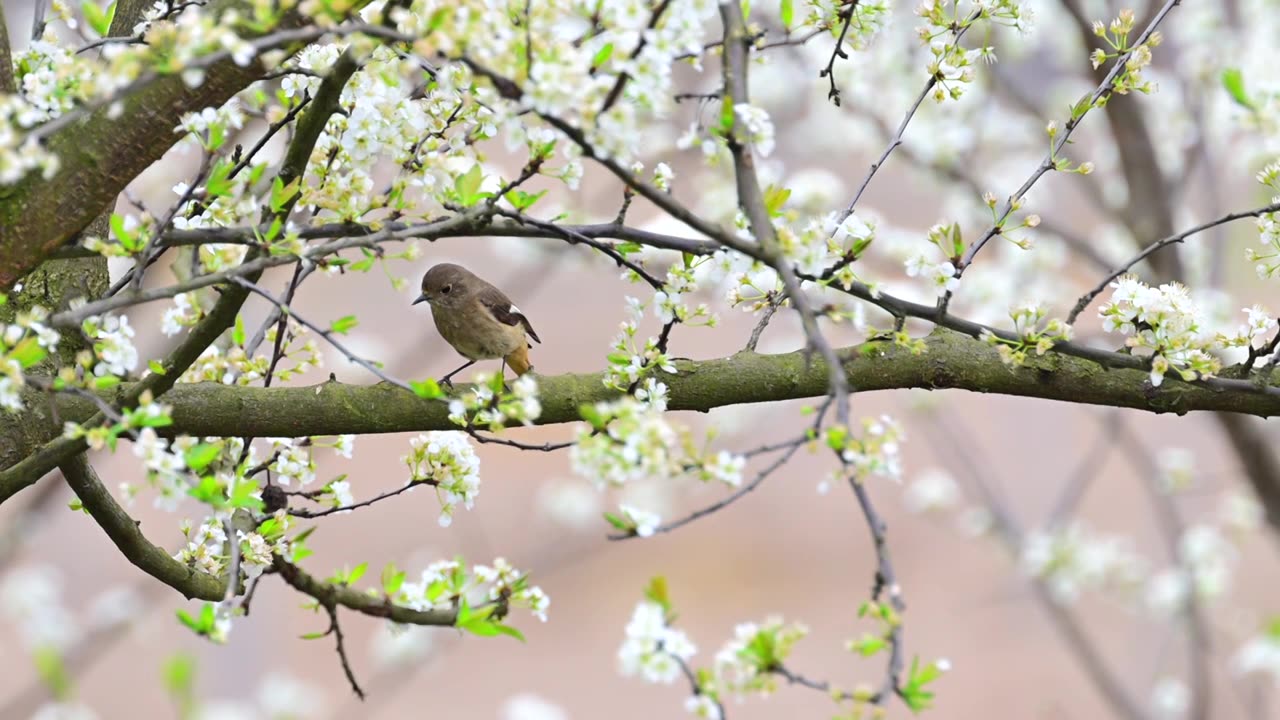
{"points": [[421, 298]]}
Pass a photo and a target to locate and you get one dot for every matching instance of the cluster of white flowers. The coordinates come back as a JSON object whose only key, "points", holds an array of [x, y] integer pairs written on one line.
{"points": [[1261, 653], [32, 598], [1033, 331], [449, 462], [1164, 324], [941, 276], [147, 414], [632, 519], [745, 663], [629, 362], [668, 303], [186, 311], [166, 469], [480, 406], [233, 366], [1074, 559], [206, 548], [637, 443], [652, 649], [953, 65], [1209, 558], [758, 126], [1116, 34], [877, 451], [933, 490], [443, 584], [23, 343], [505, 582], [291, 461], [112, 338]]}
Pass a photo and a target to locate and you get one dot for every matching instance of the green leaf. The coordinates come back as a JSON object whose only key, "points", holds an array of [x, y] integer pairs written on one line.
{"points": [[1233, 81], [53, 672], [726, 116], [199, 456], [106, 382], [508, 630], [208, 491], [357, 572], [628, 247], [127, 239], [156, 367], [467, 185], [343, 325], [618, 522], [180, 674], [282, 194], [219, 182], [787, 14], [392, 579], [592, 415], [427, 389], [656, 591], [837, 438], [602, 55], [28, 352], [774, 198], [242, 496], [98, 19], [957, 241], [522, 200], [314, 635], [237, 335], [869, 645]]}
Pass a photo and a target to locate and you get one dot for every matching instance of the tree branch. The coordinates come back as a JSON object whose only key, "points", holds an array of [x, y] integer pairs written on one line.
{"points": [[124, 533], [951, 361], [6, 59], [100, 154]]}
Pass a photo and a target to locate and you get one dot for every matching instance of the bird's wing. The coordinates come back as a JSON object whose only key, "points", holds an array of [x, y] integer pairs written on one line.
{"points": [[504, 311]]}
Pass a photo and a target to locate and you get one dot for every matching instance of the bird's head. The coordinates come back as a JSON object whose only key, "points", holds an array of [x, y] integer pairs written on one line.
{"points": [[445, 285]]}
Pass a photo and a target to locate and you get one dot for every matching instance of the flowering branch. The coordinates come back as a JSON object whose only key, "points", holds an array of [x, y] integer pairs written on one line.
{"points": [[1158, 245], [1050, 161]]}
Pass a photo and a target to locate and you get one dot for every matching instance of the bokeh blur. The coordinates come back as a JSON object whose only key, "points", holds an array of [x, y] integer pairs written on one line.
{"points": [[787, 549]]}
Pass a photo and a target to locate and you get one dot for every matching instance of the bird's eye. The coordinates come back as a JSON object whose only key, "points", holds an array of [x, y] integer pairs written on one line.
{"points": [[446, 289]]}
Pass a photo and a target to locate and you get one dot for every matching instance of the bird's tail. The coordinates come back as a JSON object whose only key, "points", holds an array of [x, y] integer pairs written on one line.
{"points": [[518, 360]]}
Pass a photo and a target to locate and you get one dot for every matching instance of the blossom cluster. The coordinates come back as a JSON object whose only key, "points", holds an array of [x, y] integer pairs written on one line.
{"points": [[447, 461], [877, 450], [491, 404], [1033, 332], [653, 649], [446, 583], [1073, 559], [1163, 324], [747, 662], [630, 362], [207, 550], [23, 344]]}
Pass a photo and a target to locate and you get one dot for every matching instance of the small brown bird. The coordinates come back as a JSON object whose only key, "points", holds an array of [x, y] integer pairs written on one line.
{"points": [[476, 318]]}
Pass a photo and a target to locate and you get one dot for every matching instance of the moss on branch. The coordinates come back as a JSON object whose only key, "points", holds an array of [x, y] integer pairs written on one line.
{"points": [[952, 361]]}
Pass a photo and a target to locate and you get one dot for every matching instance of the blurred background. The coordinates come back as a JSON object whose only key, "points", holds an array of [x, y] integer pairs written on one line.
{"points": [[786, 549]]}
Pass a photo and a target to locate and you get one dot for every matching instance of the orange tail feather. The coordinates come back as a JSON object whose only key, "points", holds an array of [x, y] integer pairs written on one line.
{"points": [[519, 360]]}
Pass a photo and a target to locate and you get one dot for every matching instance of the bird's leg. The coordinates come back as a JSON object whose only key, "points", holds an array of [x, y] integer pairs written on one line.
{"points": [[445, 380]]}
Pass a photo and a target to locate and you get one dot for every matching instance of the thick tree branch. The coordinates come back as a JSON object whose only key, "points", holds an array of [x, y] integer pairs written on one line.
{"points": [[6, 59], [361, 602], [951, 361], [219, 319], [128, 538], [100, 154]]}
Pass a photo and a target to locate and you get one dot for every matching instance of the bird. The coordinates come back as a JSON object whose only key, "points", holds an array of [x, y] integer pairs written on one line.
{"points": [[477, 319]]}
